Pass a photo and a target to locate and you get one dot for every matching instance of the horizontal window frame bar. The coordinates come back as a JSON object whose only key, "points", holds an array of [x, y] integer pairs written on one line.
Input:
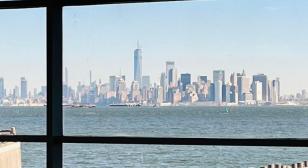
{"points": [[270, 142], [265, 142], [20, 4], [23, 138], [106, 2]]}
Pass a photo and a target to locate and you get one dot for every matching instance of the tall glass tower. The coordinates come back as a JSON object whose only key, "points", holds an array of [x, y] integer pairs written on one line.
{"points": [[23, 88], [263, 79], [219, 75], [169, 66], [138, 65], [2, 88], [185, 80]]}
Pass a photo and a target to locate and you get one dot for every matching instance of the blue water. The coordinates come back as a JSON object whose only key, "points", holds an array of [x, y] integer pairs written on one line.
{"points": [[248, 122]]}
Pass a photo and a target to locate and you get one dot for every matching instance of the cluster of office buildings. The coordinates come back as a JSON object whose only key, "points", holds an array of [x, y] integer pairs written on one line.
{"points": [[172, 89], [21, 96]]}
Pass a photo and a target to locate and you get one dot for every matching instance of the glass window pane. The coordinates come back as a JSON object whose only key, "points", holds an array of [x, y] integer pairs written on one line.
{"points": [[192, 69], [82, 155], [23, 70], [248, 122], [33, 155]]}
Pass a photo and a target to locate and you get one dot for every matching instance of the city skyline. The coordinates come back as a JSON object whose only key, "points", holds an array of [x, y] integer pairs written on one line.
{"points": [[217, 74], [185, 78], [174, 88], [261, 37]]}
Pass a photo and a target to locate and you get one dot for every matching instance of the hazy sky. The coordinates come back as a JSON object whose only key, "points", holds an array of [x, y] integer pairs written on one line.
{"points": [[260, 36]]}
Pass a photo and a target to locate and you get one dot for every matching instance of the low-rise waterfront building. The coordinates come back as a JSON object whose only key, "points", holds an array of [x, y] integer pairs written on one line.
{"points": [[10, 152]]}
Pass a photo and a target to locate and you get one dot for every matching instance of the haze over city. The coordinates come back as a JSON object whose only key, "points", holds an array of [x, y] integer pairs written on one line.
{"points": [[261, 37]]}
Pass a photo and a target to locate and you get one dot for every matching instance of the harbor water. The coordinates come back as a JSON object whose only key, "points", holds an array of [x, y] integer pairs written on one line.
{"points": [[233, 122]]}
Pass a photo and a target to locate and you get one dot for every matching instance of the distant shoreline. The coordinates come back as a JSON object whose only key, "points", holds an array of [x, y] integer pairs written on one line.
{"points": [[169, 106]]}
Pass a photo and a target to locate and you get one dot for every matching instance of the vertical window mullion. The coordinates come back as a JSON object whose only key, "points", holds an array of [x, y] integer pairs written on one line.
{"points": [[54, 84]]}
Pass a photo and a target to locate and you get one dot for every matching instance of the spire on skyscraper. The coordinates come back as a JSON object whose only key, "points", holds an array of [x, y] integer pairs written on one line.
{"points": [[243, 73], [138, 45], [90, 77]]}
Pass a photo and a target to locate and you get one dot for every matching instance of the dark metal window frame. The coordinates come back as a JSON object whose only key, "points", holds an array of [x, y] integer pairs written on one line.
{"points": [[55, 138]]}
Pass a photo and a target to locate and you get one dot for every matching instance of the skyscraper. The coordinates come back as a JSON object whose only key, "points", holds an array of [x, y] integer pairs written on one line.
{"points": [[278, 88], [135, 92], [65, 85], [270, 90], [218, 91], [224, 93], [146, 83], [233, 88], [212, 92], [234, 94], [173, 78], [44, 91], [227, 89], [274, 91], [257, 91], [112, 83], [219, 75], [16, 92], [243, 85], [121, 93], [163, 84], [162, 79], [202, 79], [169, 65], [138, 65], [263, 79], [185, 80], [2, 88], [23, 88], [159, 95], [233, 79]]}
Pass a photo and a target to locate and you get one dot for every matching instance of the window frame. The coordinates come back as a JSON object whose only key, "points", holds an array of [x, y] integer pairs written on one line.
{"points": [[55, 138]]}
